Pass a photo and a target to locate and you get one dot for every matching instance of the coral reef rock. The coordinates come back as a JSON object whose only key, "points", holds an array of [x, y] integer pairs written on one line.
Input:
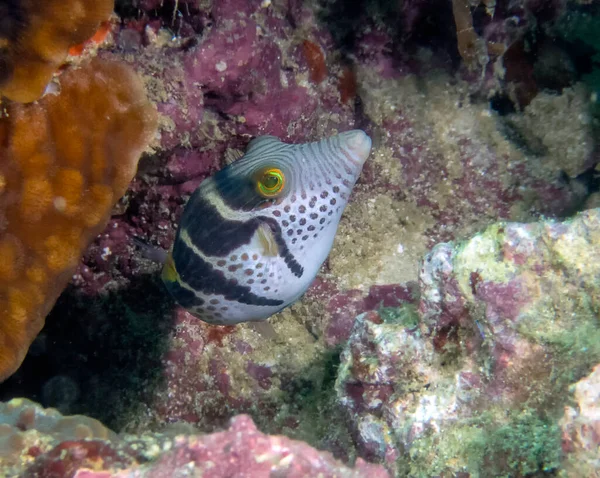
{"points": [[476, 381], [581, 428], [37, 442]]}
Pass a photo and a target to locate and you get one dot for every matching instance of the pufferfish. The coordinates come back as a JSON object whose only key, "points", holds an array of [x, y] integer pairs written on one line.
{"points": [[253, 236]]}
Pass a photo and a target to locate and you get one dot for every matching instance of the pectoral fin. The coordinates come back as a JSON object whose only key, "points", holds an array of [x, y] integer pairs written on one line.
{"points": [[267, 241]]}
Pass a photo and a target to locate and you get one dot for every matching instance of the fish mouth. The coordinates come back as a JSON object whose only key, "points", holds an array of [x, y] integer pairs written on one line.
{"points": [[359, 145]]}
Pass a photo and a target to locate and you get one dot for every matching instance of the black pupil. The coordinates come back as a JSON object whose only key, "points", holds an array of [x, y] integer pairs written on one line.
{"points": [[270, 181]]}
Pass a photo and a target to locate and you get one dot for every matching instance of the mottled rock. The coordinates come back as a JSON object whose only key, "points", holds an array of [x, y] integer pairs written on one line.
{"points": [[50, 445], [581, 428], [242, 450], [563, 141], [476, 382], [28, 430]]}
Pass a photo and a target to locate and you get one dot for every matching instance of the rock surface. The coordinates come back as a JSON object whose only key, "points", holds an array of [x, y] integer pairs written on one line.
{"points": [[476, 381], [42, 443], [581, 428]]}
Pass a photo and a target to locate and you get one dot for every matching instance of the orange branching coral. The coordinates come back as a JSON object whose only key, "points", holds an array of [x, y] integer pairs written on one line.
{"points": [[316, 61], [64, 162], [35, 37], [472, 49]]}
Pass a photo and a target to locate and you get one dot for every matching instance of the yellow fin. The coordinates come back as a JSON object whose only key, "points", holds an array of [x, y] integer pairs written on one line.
{"points": [[169, 273], [267, 241]]}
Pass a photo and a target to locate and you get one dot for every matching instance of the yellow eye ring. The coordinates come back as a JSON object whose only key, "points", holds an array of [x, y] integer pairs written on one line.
{"points": [[270, 182]]}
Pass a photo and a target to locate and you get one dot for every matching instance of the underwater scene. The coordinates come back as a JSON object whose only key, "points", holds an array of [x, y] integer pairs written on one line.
{"points": [[299, 238]]}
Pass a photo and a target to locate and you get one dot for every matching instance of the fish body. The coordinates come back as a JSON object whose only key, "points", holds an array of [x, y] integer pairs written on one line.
{"points": [[253, 236]]}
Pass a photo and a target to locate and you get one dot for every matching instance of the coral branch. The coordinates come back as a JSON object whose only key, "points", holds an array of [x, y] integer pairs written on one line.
{"points": [[472, 49]]}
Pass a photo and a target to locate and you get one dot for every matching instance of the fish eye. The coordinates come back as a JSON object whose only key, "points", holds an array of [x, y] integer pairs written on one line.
{"points": [[270, 182]]}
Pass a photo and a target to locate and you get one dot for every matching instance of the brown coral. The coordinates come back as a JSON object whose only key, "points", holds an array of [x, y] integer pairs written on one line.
{"points": [[64, 161], [35, 38]]}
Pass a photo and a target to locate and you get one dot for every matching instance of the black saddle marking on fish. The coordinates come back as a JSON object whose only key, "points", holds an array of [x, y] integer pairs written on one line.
{"points": [[288, 257], [185, 297], [202, 277], [210, 232], [227, 235]]}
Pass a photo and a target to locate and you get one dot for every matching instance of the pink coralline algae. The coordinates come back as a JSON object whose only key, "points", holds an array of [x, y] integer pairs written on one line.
{"points": [[343, 307], [243, 451], [54, 447], [508, 320]]}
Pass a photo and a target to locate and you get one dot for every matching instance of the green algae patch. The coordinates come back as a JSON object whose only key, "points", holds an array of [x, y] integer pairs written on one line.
{"points": [[573, 338], [407, 315], [517, 444], [483, 253]]}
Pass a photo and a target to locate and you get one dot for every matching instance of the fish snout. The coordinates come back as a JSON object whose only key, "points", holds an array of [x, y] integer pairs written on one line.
{"points": [[359, 144]]}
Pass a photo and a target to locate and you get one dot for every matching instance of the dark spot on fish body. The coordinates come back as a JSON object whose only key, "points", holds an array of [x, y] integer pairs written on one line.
{"points": [[284, 251]]}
